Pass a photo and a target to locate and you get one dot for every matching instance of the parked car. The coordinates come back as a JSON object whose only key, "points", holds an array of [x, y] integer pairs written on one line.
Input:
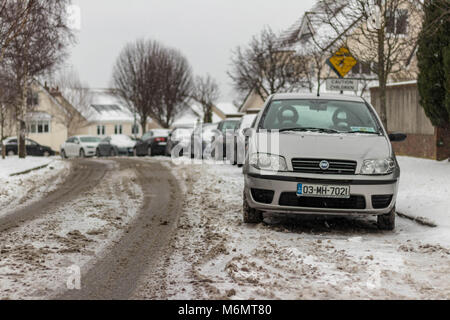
{"points": [[227, 129], [201, 139], [80, 146], [32, 147], [115, 145], [152, 143], [239, 139], [333, 157], [179, 136]]}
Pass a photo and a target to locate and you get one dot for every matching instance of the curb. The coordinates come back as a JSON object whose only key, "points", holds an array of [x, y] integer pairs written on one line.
{"points": [[420, 220], [30, 170]]}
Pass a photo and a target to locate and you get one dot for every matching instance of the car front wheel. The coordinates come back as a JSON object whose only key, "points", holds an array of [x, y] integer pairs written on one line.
{"points": [[387, 221], [251, 215], [82, 154]]}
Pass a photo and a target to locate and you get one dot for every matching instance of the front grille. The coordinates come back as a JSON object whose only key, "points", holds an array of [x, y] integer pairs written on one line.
{"points": [[263, 196], [291, 199], [313, 166], [381, 201]]}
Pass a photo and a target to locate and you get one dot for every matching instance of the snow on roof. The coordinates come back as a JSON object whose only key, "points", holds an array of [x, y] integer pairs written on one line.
{"points": [[105, 106], [227, 107]]}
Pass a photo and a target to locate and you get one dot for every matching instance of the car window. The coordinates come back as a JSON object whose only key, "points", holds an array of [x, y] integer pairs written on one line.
{"points": [[90, 139], [70, 140], [342, 116], [12, 141], [229, 125], [29, 142]]}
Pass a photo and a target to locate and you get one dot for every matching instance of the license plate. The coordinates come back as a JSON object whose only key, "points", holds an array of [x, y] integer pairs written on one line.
{"points": [[323, 191]]}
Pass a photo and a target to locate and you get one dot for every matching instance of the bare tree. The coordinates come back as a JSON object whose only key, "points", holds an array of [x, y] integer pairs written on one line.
{"points": [[39, 47], [206, 92], [154, 80], [381, 34], [265, 65], [14, 16]]}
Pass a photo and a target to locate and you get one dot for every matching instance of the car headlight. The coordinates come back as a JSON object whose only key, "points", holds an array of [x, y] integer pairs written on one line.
{"points": [[374, 167], [265, 161]]}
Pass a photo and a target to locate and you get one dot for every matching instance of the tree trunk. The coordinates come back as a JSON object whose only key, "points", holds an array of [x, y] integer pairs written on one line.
{"points": [[144, 125], [207, 118], [2, 124]]}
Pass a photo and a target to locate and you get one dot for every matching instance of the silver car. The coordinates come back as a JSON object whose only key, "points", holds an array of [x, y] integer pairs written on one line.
{"points": [[326, 155]]}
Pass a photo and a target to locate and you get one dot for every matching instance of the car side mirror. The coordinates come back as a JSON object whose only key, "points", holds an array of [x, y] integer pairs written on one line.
{"points": [[397, 137], [248, 132]]}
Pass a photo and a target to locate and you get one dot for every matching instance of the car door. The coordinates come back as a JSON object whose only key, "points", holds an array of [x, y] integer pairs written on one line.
{"points": [[76, 146], [32, 148]]}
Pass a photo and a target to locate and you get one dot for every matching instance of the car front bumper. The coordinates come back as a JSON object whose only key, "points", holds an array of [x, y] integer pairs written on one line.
{"points": [[284, 188]]}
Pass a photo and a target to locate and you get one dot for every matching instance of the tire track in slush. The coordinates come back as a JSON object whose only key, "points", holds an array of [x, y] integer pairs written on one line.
{"points": [[84, 175], [116, 275]]}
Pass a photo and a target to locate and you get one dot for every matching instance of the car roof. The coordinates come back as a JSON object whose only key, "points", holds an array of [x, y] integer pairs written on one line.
{"points": [[327, 96]]}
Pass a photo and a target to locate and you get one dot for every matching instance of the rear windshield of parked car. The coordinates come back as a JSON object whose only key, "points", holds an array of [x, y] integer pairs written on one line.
{"points": [[90, 139], [336, 115], [229, 125]]}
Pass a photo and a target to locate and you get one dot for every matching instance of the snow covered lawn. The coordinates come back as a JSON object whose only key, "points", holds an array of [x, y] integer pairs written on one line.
{"points": [[11, 165], [425, 190], [216, 256], [20, 190]]}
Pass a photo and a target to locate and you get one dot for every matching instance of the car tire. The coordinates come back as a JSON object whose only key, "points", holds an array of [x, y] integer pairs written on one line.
{"points": [[82, 154], [387, 221], [250, 215], [63, 154], [149, 152]]}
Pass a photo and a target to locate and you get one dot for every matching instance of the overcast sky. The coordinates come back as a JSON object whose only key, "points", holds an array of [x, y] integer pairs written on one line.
{"points": [[206, 31]]}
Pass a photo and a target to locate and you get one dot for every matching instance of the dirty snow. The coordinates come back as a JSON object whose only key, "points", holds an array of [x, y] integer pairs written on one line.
{"points": [[215, 256], [35, 257]]}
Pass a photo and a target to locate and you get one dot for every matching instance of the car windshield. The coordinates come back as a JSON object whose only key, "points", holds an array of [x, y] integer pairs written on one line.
{"points": [[90, 139], [160, 133], [320, 115], [229, 125], [121, 138]]}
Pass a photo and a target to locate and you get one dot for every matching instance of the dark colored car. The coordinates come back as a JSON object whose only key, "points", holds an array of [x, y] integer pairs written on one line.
{"points": [[33, 148], [152, 143], [115, 145], [179, 136]]}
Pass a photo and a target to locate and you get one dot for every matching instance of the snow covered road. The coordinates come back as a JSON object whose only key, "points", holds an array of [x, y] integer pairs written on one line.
{"points": [[214, 255]]}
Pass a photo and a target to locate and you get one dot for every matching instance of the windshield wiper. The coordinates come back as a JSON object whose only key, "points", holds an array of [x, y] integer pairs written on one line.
{"points": [[366, 132], [309, 129]]}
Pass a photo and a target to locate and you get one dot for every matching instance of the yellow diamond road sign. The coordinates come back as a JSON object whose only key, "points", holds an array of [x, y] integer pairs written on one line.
{"points": [[342, 62]]}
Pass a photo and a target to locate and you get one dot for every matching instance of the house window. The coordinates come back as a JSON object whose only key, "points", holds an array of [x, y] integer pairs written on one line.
{"points": [[40, 126], [118, 129], [135, 129], [32, 98], [100, 130], [361, 68], [397, 22]]}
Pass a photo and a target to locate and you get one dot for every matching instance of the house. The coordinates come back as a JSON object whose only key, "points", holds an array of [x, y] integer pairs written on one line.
{"points": [[253, 101], [331, 24], [107, 114], [45, 123], [194, 114]]}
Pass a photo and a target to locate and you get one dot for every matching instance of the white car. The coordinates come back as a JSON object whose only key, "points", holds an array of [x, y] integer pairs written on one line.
{"points": [[80, 146]]}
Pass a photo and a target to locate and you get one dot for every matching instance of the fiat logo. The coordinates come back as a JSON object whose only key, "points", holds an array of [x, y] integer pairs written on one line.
{"points": [[324, 165]]}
